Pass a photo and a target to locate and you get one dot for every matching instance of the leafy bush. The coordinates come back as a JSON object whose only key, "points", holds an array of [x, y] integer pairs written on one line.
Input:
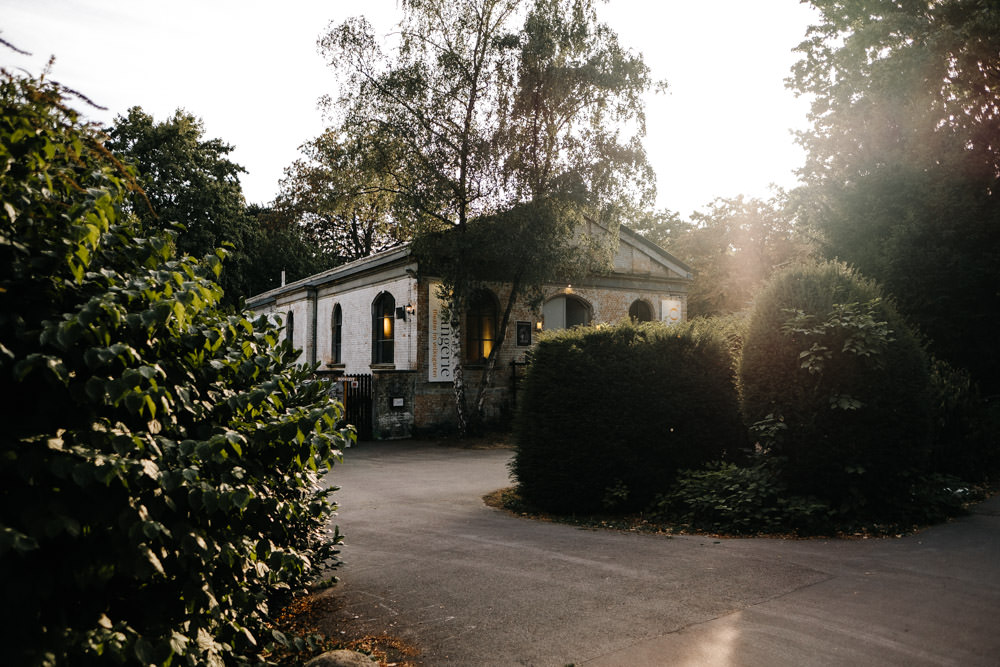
{"points": [[610, 413], [739, 500], [836, 382], [731, 329], [965, 426], [159, 463]]}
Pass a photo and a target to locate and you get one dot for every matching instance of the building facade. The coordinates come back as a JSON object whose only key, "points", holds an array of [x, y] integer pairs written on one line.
{"points": [[379, 323]]}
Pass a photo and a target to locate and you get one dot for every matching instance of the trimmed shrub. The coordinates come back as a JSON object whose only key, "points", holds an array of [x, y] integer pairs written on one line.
{"points": [[609, 414], [834, 383], [160, 463]]}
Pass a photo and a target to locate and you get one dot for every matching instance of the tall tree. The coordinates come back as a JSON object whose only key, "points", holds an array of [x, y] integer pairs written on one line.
{"points": [[501, 123], [281, 247], [736, 245], [903, 160], [341, 193], [189, 180]]}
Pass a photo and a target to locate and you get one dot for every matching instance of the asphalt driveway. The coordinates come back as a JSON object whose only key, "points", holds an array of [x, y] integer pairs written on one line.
{"points": [[427, 561]]}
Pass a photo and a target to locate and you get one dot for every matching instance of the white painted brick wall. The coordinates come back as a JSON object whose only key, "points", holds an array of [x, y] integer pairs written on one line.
{"points": [[356, 342]]}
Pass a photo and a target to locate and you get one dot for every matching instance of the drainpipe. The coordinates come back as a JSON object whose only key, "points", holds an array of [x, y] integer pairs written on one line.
{"points": [[312, 294]]}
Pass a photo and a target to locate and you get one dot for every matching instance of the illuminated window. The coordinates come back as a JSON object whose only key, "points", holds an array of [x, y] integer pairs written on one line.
{"points": [[337, 333], [480, 327], [383, 328], [640, 311], [564, 312]]}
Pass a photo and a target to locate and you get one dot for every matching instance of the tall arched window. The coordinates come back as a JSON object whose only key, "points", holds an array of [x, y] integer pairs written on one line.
{"points": [[383, 328], [290, 328], [480, 327], [565, 311], [640, 311], [336, 334]]}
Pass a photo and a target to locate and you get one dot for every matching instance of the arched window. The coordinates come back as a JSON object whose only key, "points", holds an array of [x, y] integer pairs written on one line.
{"points": [[640, 311], [565, 311], [480, 327], [383, 328], [290, 328], [336, 334]]}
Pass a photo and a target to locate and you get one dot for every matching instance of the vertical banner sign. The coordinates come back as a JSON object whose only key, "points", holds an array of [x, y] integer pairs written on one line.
{"points": [[670, 310], [438, 339]]}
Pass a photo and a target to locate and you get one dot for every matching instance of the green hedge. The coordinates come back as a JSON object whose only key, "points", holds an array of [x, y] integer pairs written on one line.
{"points": [[160, 462], [835, 383], [609, 414]]}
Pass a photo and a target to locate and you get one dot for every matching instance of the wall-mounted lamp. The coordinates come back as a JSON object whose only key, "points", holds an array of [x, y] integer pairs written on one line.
{"points": [[538, 325], [409, 309]]}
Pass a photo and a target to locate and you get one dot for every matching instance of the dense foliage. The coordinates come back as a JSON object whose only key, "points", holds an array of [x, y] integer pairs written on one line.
{"points": [[668, 391], [733, 246], [342, 192], [903, 160], [189, 179], [836, 385], [726, 497], [160, 462]]}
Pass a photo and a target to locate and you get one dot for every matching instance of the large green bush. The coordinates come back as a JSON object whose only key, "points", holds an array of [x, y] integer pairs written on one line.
{"points": [[835, 384], [609, 414], [160, 463]]}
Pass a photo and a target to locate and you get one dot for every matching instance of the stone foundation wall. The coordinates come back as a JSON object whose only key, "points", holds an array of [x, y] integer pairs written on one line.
{"points": [[394, 404]]}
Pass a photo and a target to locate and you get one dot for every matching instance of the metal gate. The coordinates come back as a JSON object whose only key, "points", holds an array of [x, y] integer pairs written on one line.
{"points": [[358, 400]]}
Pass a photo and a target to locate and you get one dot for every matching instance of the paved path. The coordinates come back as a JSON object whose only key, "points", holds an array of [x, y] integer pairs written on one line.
{"points": [[427, 561]]}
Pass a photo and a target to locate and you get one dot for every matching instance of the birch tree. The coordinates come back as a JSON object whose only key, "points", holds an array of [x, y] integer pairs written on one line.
{"points": [[524, 118]]}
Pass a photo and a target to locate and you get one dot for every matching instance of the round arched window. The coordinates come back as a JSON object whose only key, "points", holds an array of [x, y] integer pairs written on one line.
{"points": [[565, 311], [640, 311], [383, 321]]}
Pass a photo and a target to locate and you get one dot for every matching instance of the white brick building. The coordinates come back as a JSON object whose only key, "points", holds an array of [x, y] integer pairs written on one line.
{"points": [[378, 316]]}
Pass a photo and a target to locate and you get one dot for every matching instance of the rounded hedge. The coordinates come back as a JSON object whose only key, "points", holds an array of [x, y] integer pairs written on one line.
{"points": [[835, 382], [609, 414]]}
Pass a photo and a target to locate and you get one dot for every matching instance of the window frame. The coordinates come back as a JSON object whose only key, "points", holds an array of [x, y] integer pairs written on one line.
{"points": [[383, 329], [483, 307], [336, 335]]}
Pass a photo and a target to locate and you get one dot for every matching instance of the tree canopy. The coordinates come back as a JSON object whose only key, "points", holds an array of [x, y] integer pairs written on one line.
{"points": [[189, 179], [342, 194], [735, 245], [904, 159]]}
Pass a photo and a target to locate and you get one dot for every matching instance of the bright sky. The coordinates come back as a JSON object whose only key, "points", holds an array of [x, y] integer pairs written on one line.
{"points": [[251, 71]]}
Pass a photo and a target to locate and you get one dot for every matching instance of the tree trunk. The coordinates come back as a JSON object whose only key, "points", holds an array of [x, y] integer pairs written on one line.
{"points": [[458, 373], [486, 381]]}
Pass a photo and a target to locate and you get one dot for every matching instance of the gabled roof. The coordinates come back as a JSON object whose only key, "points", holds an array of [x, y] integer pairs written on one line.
{"points": [[656, 252], [403, 253], [358, 266]]}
